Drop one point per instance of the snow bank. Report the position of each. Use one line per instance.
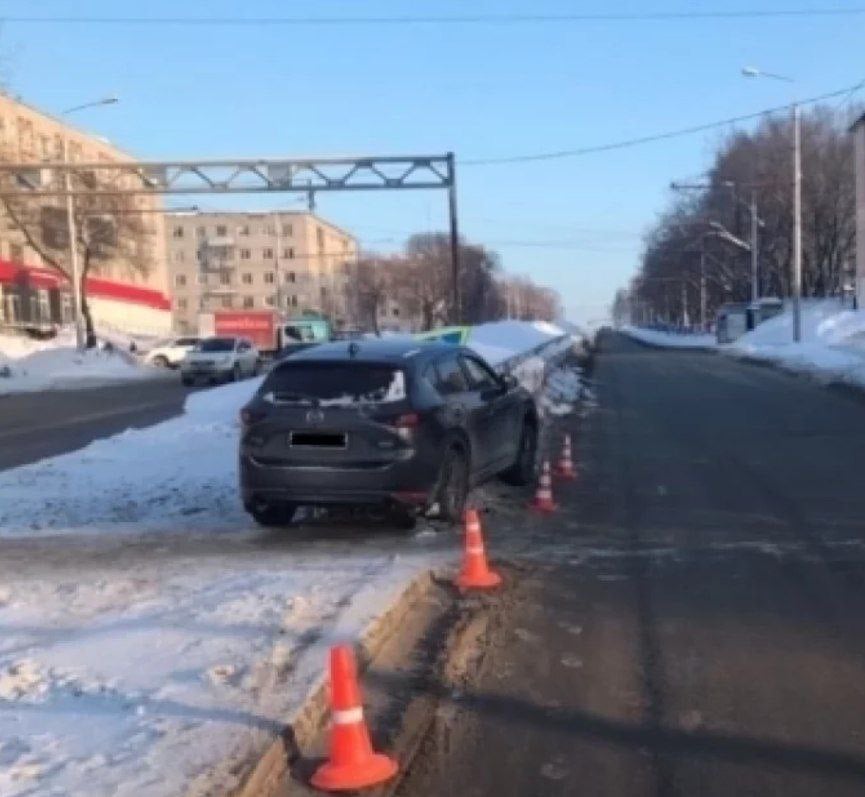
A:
(515, 337)
(177, 470)
(832, 345)
(140, 671)
(671, 340)
(28, 365)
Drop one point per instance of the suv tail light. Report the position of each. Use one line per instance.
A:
(250, 416)
(403, 424)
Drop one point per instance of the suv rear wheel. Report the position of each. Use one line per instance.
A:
(522, 471)
(452, 488)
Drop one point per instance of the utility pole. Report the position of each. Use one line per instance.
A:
(456, 312)
(72, 232)
(797, 224)
(755, 266)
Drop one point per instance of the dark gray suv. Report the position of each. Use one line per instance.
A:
(398, 423)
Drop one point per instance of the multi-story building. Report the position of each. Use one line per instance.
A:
(293, 261)
(127, 286)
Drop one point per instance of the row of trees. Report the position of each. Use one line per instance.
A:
(689, 261)
(419, 281)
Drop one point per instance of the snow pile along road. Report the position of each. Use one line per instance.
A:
(671, 340)
(28, 365)
(152, 670)
(832, 345)
(183, 470)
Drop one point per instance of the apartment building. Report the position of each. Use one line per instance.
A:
(127, 288)
(289, 260)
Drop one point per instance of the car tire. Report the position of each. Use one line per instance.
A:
(273, 515)
(160, 362)
(235, 373)
(452, 485)
(522, 472)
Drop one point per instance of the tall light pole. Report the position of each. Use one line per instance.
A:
(71, 228)
(754, 72)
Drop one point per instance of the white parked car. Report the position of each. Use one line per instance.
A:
(171, 353)
(220, 359)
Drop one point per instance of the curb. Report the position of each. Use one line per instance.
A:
(301, 728)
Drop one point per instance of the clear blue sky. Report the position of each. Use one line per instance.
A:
(479, 90)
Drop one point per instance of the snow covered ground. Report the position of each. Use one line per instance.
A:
(150, 631)
(28, 365)
(832, 345)
(671, 340)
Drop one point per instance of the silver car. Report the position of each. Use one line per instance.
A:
(220, 359)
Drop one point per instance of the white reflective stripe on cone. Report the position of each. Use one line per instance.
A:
(347, 716)
(475, 549)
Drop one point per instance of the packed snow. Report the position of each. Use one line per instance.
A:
(671, 340)
(154, 638)
(28, 364)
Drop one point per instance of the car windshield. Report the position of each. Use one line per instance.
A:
(333, 384)
(216, 345)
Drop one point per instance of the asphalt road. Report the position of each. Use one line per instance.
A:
(694, 619)
(38, 425)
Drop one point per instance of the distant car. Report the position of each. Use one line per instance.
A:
(382, 422)
(171, 353)
(348, 334)
(220, 359)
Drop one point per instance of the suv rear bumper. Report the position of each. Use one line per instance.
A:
(408, 481)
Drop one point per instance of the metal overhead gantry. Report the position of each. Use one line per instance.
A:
(246, 176)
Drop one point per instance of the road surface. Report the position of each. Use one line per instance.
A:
(695, 622)
(38, 425)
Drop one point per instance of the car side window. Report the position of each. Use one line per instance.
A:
(480, 376)
(243, 346)
(451, 378)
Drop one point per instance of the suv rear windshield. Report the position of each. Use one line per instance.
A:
(217, 344)
(333, 384)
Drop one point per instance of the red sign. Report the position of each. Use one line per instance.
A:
(257, 325)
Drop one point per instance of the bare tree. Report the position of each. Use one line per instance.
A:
(109, 228)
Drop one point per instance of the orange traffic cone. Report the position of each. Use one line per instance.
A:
(543, 500)
(352, 764)
(565, 466)
(475, 573)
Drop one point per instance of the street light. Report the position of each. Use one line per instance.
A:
(754, 72)
(70, 220)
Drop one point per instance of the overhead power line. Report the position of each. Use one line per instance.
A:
(455, 19)
(648, 139)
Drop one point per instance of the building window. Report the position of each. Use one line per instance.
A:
(287, 230)
(293, 301)
(182, 304)
(268, 300)
(319, 237)
(44, 304)
(323, 291)
(267, 253)
(16, 252)
(221, 229)
(248, 301)
(245, 254)
(395, 312)
(226, 302)
(288, 253)
(228, 254)
(180, 280)
(225, 279)
(66, 308)
(290, 276)
(243, 229)
(246, 278)
(178, 257)
(269, 278)
(201, 231)
(178, 232)
(270, 228)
